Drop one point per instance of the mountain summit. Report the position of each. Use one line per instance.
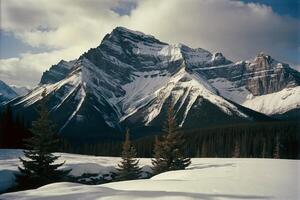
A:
(130, 78)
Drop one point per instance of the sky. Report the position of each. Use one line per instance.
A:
(35, 34)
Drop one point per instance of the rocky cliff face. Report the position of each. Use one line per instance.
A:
(57, 72)
(263, 75)
(266, 75)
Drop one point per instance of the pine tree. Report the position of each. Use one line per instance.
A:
(237, 150)
(276, 153)
(168, 152)
(264, 149)
(128, 169)
(159, 162)
(39, 167)
(204, 150)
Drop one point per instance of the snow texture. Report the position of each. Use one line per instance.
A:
(206, 178)
(275, 103)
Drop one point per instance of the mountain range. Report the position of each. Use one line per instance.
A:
(131, 77)
(8, 92)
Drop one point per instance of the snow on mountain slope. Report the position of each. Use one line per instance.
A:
(35, 95)
(206, 178)
(183, 84)
(6, 92)
(230, 90)
(278, 102)
(249, 82)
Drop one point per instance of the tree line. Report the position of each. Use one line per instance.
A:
(13, 129)
(254, 140)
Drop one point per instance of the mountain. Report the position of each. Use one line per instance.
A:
(263, 84)
(20, 90)
(6, 93)
(131, 77)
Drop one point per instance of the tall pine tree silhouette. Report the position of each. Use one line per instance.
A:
(128, 169)
(39, 167)
(168, 152)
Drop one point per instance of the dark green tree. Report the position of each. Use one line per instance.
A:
(39, 165)
(159, 162)
(264, 149)
(168, 152)
(237, 150)
(128, 169)
(276, 153)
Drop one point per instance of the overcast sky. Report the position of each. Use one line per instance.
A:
(36, 34)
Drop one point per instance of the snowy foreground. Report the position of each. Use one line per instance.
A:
(206, 178)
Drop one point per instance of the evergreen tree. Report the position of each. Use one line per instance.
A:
(276, 153)
(39, 167)
(128, 169)
(159, 162)
(12, 129)
(264, 149)
(168, 152)
(237, 150)
(204, 150)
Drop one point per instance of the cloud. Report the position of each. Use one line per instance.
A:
(237, 29)
(27, 69)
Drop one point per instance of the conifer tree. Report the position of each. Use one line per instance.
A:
(204, 150)
(39, 167)
(168, 152)
(159, 162)
(128, 169)
(264, 149)
(276, 153)
(237, 150)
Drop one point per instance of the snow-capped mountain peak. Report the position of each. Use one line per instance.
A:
(130, 78)
(6, 92)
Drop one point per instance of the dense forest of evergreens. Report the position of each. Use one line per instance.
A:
(13, 130)
(254, 140)
(251, 140)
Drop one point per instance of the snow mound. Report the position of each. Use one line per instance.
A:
(80, 164)
(206, 178)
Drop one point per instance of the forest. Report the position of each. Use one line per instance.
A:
(251, 140)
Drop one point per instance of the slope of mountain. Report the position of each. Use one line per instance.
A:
(6, 93)
(264, 84)
(130, 78)
(20, 90)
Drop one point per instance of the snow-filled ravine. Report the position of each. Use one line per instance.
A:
(206, 178)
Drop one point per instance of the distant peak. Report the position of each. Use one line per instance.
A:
(62, 62)
(218, 55)
(263, 55)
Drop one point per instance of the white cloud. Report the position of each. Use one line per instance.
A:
(237, 29)
(27, 69)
